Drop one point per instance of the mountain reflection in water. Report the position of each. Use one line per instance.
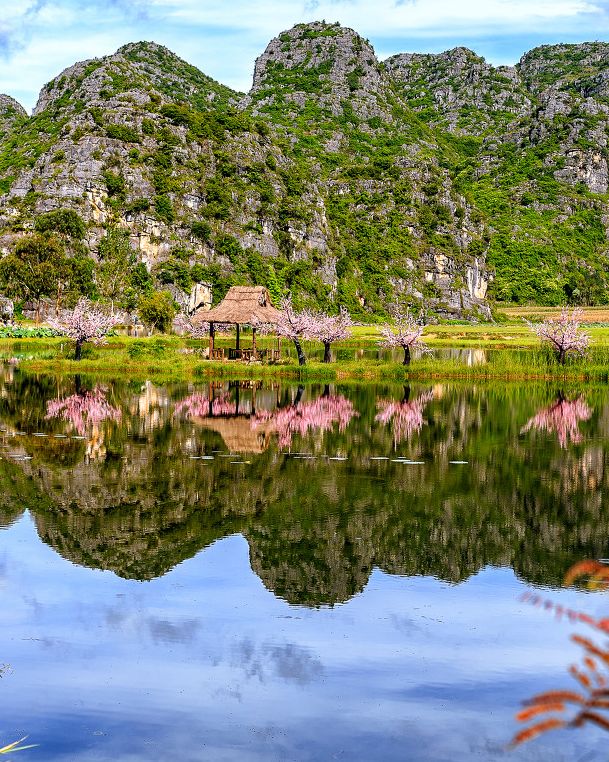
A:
(318, 480)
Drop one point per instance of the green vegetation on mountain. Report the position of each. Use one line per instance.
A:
(437, 180)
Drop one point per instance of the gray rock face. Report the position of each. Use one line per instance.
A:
(467, 94)
(330, 62)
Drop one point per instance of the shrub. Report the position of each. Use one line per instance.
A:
(157, 310)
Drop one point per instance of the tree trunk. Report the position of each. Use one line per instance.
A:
(302, 360)
(406, 356)
(406, 397)
(327, 357)
(299, 393)
(562, 353)
(78, 353)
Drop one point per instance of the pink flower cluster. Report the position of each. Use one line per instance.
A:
(563, 333)
(85, 323)
(405, 332)
(319, 415)
(198, 406)
(83, 409)
(561, 418)
(406, 417)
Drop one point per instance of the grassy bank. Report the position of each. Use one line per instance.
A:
(175, 359)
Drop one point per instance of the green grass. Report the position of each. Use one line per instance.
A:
(512, 354)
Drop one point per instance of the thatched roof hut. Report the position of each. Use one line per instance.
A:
(241, 305)
(238, 434)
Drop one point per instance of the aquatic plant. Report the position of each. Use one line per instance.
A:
(563, 334)
(15, 746)
(84, 323)
(590, 702)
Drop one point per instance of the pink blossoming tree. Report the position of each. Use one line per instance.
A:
(331, 328)
(296, 326)
(405, 333)
(85, 322)
(561, 418)
(196, 330)
(563, 334)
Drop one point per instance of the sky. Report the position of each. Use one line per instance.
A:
(40, 38)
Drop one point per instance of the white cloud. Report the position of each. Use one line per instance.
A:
(39, 38)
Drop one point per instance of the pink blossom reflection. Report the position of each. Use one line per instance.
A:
(561, 418)
(83, 410)
(406, 417)
(201, 406)
(300, 418)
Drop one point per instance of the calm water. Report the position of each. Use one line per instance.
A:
(285, 573)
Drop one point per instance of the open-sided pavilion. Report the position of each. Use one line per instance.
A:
(242, 305)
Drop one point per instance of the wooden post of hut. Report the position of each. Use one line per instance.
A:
(211, 341)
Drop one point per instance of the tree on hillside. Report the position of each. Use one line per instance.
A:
(85, 322)
(65, 222)
(405, 333)
(116, 262)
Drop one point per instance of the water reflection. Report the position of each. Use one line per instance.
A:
(337, 481)
(301, 418)
(405, 417)
(561, 418)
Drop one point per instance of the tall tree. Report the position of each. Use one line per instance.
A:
(563, 334)
(331, 328)
(116, 262)
(35, 269)
(405, 333)
(296, 326)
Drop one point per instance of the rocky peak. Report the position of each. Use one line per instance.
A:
(458, 89)
(328, 63)
(581, 69)
(138, 73)
(11, 113)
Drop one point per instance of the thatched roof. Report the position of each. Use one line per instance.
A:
(242, 304)
(238, 434)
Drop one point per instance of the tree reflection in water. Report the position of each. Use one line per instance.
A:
(201, 406)
(300, 418)
(406, 417)
(562, 418)
(83, 410)
(315, 531)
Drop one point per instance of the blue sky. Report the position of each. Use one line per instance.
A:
(39, 38)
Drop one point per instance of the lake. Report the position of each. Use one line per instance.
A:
(262, 571)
